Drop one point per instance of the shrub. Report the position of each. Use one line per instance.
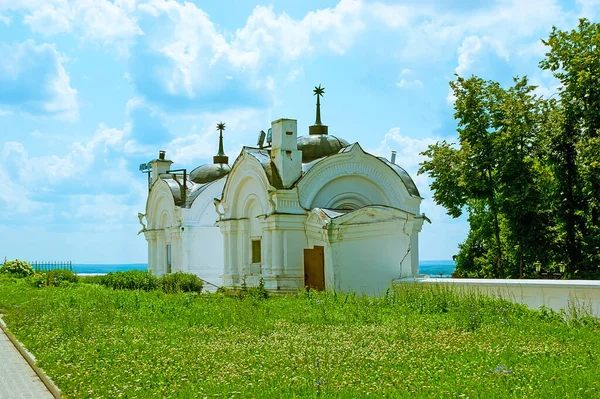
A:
(58, 277)
(54, 278)
(17, 268)
(131, 280)
(180, 282)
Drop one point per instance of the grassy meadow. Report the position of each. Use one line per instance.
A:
(96, 342)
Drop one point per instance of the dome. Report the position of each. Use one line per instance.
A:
(208, 173)
(316, 146)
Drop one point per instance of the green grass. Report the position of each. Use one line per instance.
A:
(418, 342)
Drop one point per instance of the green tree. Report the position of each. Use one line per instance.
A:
(518, 167)
(574, 59)
(494, 173)
(465, 176)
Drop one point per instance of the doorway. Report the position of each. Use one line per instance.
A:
(314, 268)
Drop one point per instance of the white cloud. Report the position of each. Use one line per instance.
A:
(102, 20)
(407, 80)
(589, 8)
(49, 19)
(407, 149)
(5, 20)
(192, 60)
(466, 52)
(105, 21)
(33, 80)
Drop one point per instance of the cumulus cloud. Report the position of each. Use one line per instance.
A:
(33, 80)
(187, 62)
(89, 174)
(407, 80)
(109, 22)
(407, 149)
(470, 49)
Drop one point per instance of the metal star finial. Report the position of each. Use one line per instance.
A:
(220, 157)
(319, 91)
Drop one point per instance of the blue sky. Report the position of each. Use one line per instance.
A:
(90, 89)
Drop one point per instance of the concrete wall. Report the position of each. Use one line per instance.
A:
(554, 294)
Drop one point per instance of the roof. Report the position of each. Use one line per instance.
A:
(185, 197)
(264, 157)
(316, 146)
(403, 174)
(408, 181)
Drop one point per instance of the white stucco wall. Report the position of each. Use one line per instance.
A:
(205, 253)
(366, 258)
(554, 294)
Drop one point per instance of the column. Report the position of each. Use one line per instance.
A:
(277, 261)
(233, 254)
(243, 240)
(266, 252)
(227, 254)
(151, 239)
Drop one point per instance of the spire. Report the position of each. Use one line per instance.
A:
(318, 127)
(221, 157)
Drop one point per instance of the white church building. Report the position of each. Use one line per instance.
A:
(297, 211)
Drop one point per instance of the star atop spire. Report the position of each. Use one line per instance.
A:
(221, 157)
(319, 91)
(318, 127)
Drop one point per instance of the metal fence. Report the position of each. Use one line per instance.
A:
(44, 265)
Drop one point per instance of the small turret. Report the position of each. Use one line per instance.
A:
(160, 165)
(285, 153)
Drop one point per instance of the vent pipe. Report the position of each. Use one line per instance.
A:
(393, 156)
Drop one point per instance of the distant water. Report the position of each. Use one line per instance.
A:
(434, 268)
(428, 267)
(107, 268)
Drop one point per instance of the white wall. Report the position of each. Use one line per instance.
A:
(554, 294)
(368, 263)
(206, 253)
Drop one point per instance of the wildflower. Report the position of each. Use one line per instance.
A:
(501, 370)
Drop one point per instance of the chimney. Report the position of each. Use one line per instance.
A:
(284, 152)
(160, 165)
(393, 156)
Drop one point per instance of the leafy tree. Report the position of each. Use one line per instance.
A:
(574, 59)
(466, 175)
(493, 174)
(518, 187)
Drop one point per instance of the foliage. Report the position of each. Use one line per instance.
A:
(54, 278)
(258, 293)
(525, 168)
(131, 280)
(91, 279)
(412, 342)
(17, 268)
(180, 282)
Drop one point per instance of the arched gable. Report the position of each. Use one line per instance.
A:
(246, 179)
(160, 207)
(353, 179)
